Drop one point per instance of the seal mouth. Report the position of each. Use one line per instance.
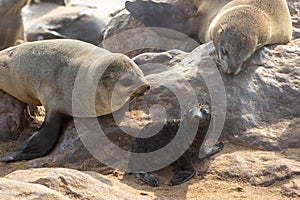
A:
(140, 91)
(226, 68)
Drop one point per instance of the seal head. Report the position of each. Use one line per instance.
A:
(234, 48)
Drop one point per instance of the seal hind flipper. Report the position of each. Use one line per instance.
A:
(50, 34)
(41, 142)
(163, 15)
(148, 178)
(182, 176)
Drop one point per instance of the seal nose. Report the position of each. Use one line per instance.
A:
(148, 87)
(141, 90)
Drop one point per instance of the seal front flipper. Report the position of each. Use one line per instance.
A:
(41, 142)
(148, 178)
(163, 15)
(215, 148)
(182, 176)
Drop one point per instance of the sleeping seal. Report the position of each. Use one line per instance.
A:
(237, 27)
(72, 22)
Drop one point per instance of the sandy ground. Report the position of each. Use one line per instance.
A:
(207, 184)
(204, 186)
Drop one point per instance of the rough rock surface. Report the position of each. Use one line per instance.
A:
(10, 189)
(137, 39)
(12, 113)
(259, 168)
(61, 183)
(292, 188)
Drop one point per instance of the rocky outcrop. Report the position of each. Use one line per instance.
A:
(258, 168)
(292, 188)
(59, 183)
(10, 189)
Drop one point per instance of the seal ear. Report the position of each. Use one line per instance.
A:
(258, 45)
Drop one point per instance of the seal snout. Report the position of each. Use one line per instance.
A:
(233, 71)
(140, 91)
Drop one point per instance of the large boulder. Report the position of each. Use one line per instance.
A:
(60, 183)
(12, 113)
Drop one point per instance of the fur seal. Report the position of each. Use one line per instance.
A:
(237, 27)
(72, 22)
(243, 26)
(44, 72)
(184, 167)
(11, 22)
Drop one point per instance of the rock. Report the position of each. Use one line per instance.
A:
(71, 184)
(294, 8)
(258, 168)
(265, 114)
(137, 39)
(292, 188)
(12, 190)
(12, 113)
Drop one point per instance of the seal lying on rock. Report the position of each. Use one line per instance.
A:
(184, 165)
(44, 73)
(237, 27)
(11, 22)
(72, 22)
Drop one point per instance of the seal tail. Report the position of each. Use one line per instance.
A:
(163, 15)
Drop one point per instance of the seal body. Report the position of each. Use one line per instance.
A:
(239, 27)
(72, 22)
(11, 22)
(45, 72)
(236, 27)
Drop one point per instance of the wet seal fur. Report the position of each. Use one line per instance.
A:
(44, 72)
(237, 27)
(11, 22)
(184, 165)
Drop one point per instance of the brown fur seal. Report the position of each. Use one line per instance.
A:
(11, 22)
(184, 167)
(44, 73)
(243, 26)
(237, 27)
